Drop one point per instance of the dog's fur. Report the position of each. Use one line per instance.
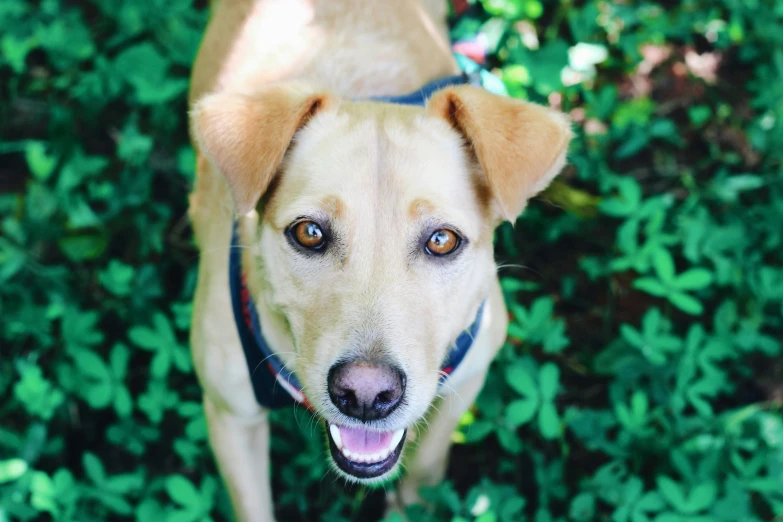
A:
(278, 137)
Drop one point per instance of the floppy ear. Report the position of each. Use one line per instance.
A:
(520, 146)
(245, 137)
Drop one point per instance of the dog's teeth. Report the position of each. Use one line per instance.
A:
(396, 438)
(366, 457)
(335, 431)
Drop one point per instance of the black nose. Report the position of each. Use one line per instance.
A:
(364, 390)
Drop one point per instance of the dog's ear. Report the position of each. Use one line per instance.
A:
(520, 146)
(245, 136)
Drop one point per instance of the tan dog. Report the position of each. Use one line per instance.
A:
(367, 228)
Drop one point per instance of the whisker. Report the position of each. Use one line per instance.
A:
(456, 393)
(501, 266)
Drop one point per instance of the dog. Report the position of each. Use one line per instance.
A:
(346, 236)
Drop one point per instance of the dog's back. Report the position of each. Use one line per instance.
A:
(351, 47)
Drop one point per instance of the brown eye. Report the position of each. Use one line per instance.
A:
(443, 242)
(309, 235)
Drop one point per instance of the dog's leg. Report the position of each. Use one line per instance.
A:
(428, 465)
(241, 446)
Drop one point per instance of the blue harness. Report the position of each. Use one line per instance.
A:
(273, 384)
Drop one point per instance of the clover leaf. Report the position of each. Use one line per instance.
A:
(538, 388)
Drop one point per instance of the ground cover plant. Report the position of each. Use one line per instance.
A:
(642, 379)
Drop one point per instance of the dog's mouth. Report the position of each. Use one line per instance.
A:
(363, 453)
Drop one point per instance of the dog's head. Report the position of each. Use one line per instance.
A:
(374, 246)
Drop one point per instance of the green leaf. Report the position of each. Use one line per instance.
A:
(83, 244)
(515, 331)
(80, 328)
(665, 129)
(639, 405)
(626, 203)
(555, 339)
(36, 394)
(694, 279)
(41, 164)
(117, 277)
(478, 431)
(743, 183)
(637, 141)
(546, 66)
(664, 265)
(41, 202)
(123, 403)
(549, 381)
(701, 498)
(91, 364)
(509, 9)
(670, 517)
(633, 336)
(651, 286)
(14, 50)
(144, 337)
(582, 507)
(518, 377)
(549, 421)
(12, 469)
(509, 440)
(651, 501)
(96, 376)
(699, 114)
(672, 492)
(43, 493)
(182, 491)
(521, 411)
(118, 360)
(686, 303)
(94, 468)
(486, 517)
(146, 69)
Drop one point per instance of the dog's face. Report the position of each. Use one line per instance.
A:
(375, 238)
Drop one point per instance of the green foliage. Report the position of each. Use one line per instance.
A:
(641, 380)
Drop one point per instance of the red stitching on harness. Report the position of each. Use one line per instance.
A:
(244, 294)
(459, 6)
(306, 402)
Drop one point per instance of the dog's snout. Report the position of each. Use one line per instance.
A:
(366, 391)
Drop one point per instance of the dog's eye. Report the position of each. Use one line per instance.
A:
(309, 235)
(443, 242)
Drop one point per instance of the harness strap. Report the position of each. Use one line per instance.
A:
(420, 97)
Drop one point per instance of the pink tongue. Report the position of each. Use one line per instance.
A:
(359, 440)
